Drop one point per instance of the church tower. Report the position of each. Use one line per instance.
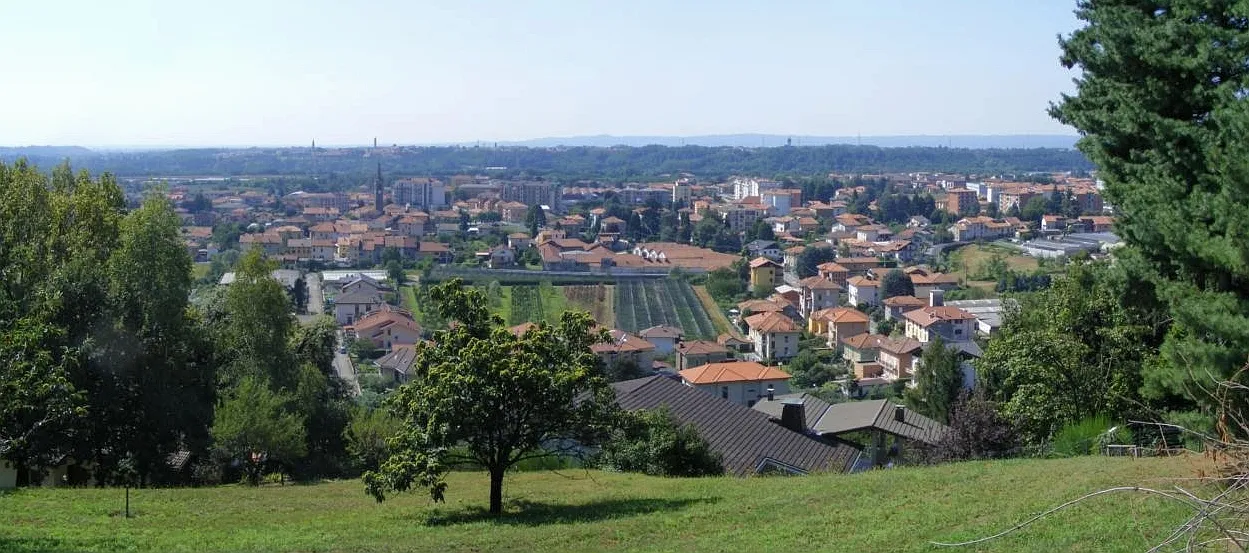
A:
(378, 190)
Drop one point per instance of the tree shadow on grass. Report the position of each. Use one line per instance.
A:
(528, 513)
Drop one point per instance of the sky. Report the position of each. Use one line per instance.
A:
(286, 72)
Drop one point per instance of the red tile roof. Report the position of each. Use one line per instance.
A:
(732, 371)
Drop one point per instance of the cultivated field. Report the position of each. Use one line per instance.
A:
(898, 510)
(672, 302)
(597, 299)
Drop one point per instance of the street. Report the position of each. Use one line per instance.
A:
(316, 298)
(347, 372)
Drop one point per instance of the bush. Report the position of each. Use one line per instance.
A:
(977, 431)
(1087, 436)
(652, 442)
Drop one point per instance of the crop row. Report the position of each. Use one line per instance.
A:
(641, 305)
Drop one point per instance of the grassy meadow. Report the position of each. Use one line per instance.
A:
(576, 510)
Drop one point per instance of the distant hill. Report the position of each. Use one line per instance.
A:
(45, 152)
(766, 140)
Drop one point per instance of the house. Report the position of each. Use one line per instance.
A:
(897, 305)
(858, 265)
(885, 429)
(775, 336)
(623, 347)
(765, 272)
(747, 440)
(764, 248)
(816, 294)
(861, 352)
(664, 338)
(439, 252)
(699, 352)
(519, 241)
(386, 327)
(351, 306)
(834, 272)
(741, 382)
(863, 290)
(500, 256)
(363, 283)
(988, 312)
(397, 365)
(733, 343)
(950, 323)
(838, 323)
(899, 357)
(1099, 223)
(924, 284)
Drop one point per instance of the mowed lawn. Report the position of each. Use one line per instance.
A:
(891, 510)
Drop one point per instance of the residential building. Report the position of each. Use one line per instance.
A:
(664, 338)
(899, 357)
(747, 441)
(775, 336)
(424, 193)
(532, 193)
(863, 290)
(950, 323)
(699, 352)
(926, 283)
(623, 347)
(741, 382)
(816, 294)
(765, 272)
(961, 202)
(861, 352)
(764, 248)
(897, 305)
(838, 323)
(397, 365)
(386, 327)
(350, 307)
(887, 430)
(834, 272)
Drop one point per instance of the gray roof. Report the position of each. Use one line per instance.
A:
(400, 359)
(831, 420)
(359, 297)
(987, 311)
(748, 440)
(285, 276)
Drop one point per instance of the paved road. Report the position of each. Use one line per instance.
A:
(316, 298)
(346, 371)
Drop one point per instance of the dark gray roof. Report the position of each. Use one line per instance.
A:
(399, 359)
(748, 440)
(831, 420)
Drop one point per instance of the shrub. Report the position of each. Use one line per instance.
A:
(652, 442)
(1087, 436)
(977, 431)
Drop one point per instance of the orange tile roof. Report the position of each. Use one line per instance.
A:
(700, 347)
(841, 315)
(762, 262)
(771, 322)
(862, 282)
(732, 371)
(864, 341)
(929, 315)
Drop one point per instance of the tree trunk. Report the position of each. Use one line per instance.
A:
(496, 491)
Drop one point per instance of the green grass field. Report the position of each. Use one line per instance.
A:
(891, 510)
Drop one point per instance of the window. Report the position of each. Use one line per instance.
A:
(724, 392)
(958, 331)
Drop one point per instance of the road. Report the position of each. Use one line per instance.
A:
(316, 298)
(346, 371)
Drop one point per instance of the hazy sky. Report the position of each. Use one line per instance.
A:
(226, 72)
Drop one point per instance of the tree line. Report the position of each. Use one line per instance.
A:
(621, 163)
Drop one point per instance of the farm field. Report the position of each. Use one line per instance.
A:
(641, 305)
(535, 303)
(597, 299)
(718, 318)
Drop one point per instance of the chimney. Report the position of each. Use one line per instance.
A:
(771, 392)
(793, 415)
(899, 413)
(936, 297)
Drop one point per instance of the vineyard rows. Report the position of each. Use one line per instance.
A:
(526, 305)
(641, 305)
